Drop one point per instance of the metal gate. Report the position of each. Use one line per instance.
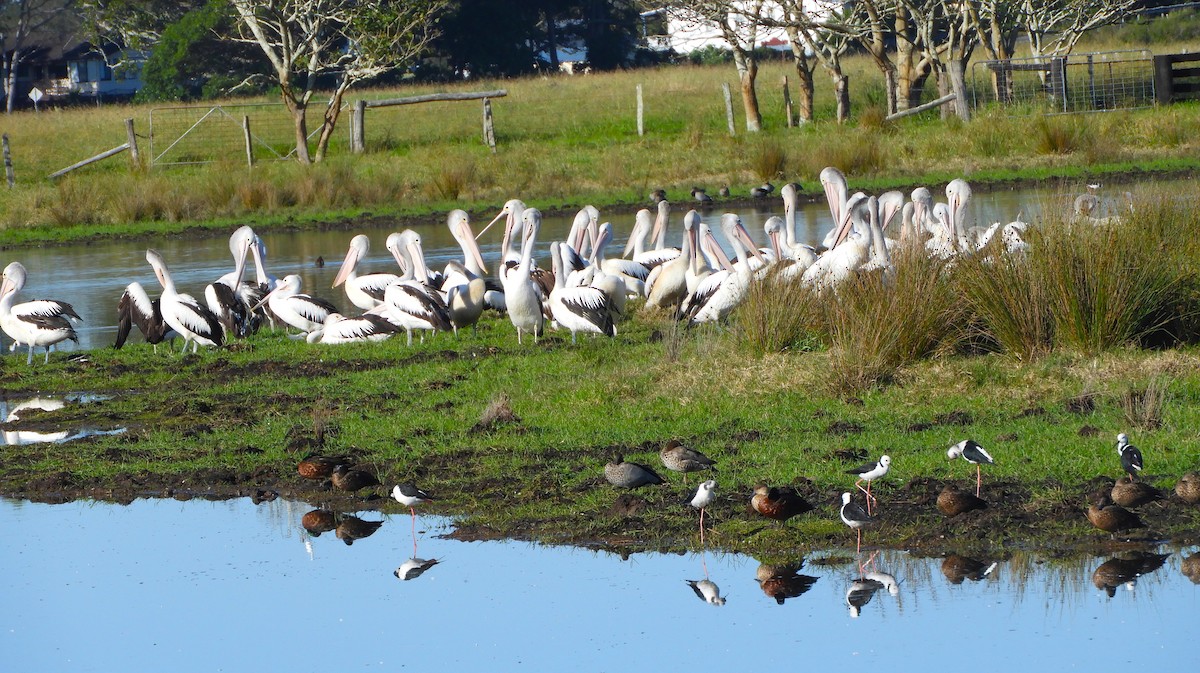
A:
(1113, 80)
(184, 135)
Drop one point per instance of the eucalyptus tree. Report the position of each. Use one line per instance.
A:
(21, 20)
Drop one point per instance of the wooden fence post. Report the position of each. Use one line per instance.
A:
(489, 130)
(358, 143)
(640, 112)
(1163, 79)
(728, 107)
(787, 104)
(134, 157)
(249, 141)
(8, 167)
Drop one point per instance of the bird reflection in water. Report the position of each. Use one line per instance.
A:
(863, 588)
(319, 521)
(413, 568)
(351, 528)
(783, 581)
(958, 568)
(707, 591)
(1126, 569)
(1191, 568)
(20, 437)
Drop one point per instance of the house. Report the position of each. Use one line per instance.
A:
(79, 71)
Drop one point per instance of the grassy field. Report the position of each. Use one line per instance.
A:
(562, 140)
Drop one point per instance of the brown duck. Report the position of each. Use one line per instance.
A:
(313, 466)
(1188, 488)
(780, 504)
(679, 458)
(1191, 568)
(1129, 493)
(952, 501)
(625, 474)
(1126, 568)
(782, 582)
(346, 479)
(1112, 518)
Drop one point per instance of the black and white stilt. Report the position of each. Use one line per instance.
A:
(1131, 457)
(702, 499)
(870, 472)
(973, 453)
(854, 516)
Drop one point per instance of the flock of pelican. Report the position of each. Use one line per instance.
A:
(582, 290)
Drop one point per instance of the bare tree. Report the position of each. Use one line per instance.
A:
(19, 20)
(739, 22)
(947, 34)
(818, 33)
(1055, 26)
(352, 41)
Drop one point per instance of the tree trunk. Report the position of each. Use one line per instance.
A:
(10, 80)
(841, 92)
(747, 69)
(804, 75)
(329, 121)
(298, 109)
(910, 75)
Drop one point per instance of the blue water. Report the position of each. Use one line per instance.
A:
(233, 586)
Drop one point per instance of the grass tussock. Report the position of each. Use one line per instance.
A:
(497, 412)
(768, 160)
(1008, 304)
(1145, 405)
(1060, 134)
(777, 317)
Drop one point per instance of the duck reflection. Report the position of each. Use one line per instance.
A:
(784, 581)
(1191, 568)
(958, 568)
(351, 528)
(319, 521)
(413, 568)
(707, 591)
(19, 437)
(1126, 569)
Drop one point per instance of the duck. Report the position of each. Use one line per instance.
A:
(952, 501)
(1110, 517)
(624, 474)
(314, 466)
(679, 458)
(1126, 569)
(780, 503)
(346, 479)
(958, 568)
(1188, 488)
(1129, 493)
(1191, 568)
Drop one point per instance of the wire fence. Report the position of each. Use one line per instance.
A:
(1094, 82)
(184, 135)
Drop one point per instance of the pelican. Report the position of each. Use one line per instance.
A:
(466, 301)
(578, 309)
(338, 329)
(222, 297)
(837, 193)
(667, 285)
(42, 322)
(852, 246)
(252, 292)
(958, 198)
(472, 265)
(304, 312)
(659, 254)
(520, 292)
(793, 249)
(513, 212)
(410, 302)
(136, 308)
(733, 288)
(365, 292)
(191, 320)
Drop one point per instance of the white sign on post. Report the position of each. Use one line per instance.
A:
(36, 95)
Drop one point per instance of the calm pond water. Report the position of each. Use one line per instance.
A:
(93, 276)
(216, 586)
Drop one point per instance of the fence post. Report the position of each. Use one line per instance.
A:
(640, 111)
(8, 167)
(787, 104)
(489, 129)
(133, 148)
(728, 107)
(1163, 85)
(358, 119)
(248, 140)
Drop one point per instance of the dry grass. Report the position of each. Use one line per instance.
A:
(1145, 405)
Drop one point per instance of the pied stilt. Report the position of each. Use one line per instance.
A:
(702, 499)
(1131, 457)
(854, 516)
(707, 591)
(972, 453)
(870, 472)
